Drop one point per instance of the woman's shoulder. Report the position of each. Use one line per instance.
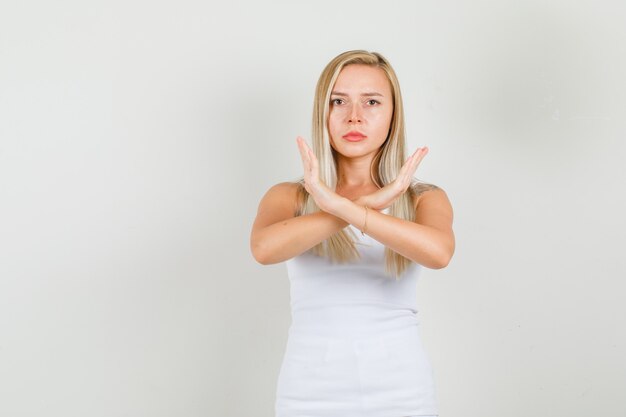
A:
(287, 188)
(420, 189)
(288, 193)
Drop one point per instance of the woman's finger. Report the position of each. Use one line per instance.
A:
(410, 164)
(421, 155)
(299, 141)
(312, 161)
(305, 148)
(417, 157)
(314, 164)
(303, 154)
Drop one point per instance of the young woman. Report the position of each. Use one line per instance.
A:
(355, 232)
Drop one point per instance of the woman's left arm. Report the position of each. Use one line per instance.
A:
(429, 241)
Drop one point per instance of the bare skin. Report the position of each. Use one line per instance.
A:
(278, 235)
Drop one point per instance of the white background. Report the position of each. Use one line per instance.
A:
(137, 138)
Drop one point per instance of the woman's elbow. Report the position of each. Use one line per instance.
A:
(443, 258)
(257, 253)
(442, 263)
(259, 259)
(261, 254)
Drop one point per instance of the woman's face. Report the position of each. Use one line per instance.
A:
(360, 103)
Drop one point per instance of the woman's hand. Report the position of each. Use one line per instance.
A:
(324, 197)
(384, 197)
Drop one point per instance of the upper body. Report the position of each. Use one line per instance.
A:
(356, 169)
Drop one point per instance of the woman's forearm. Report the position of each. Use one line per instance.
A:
(425, 245)
(288, 238)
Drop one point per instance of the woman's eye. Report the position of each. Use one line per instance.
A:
(335, 100)
(372, 102)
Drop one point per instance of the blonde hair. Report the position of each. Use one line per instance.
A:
(386, 165)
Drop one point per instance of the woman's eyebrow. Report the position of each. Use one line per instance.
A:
(339, 93)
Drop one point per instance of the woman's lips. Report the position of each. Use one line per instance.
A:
(354, 137)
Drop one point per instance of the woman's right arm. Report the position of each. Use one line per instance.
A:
(278, 234)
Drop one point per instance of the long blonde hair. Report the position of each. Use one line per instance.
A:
(386, 165)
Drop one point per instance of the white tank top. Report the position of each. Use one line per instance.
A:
(354, 348)
(354, 298)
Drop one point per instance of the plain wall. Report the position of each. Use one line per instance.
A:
(137, 138)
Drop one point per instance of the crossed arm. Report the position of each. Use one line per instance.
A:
(277, 235)
(429, 241)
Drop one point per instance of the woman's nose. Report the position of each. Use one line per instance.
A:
(355, 114)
